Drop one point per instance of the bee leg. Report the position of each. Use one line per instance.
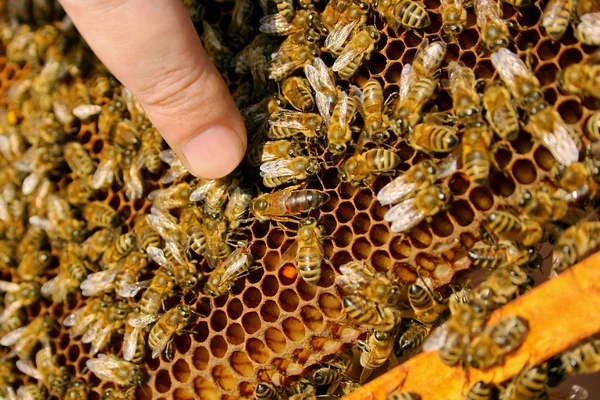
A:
(169, 351)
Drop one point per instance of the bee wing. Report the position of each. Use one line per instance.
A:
(27, 367)
(339, 34)
(52, 286)
(92, 331)
(407, 81)
(31, 183)
(202, 189)
(133, 289)
(275, 24)
(101, 338)
(348, 54)
(141, 321)
(421, 49)
(104, 174)
(559, 141)
(11, 395)
(134, 186)
(70, 319)
(276, 168)
(6, 286)
(158, 256)
(168, 156)
(103, 367)
(325, 75)
(312, 74)
(235, 269)
(40, 222)
(287, 119)
(160, 345)
(99, 282)
(130, 343)
(509, 65)
(343, 108)
(396, 190)
(436, 339)
(172, 246)
(324, 106)
(357, 95)
(10, 310)
(589, 27)
(404, 216)
(86, 111)
(162, 225)
(577, 392)
(13, 336)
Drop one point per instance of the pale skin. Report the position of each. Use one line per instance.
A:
(152, 47)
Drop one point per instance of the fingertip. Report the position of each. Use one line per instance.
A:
(214, 152)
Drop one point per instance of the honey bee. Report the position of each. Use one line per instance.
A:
(46, 371)
(236, 265)
(216, 49)
(465, 98)
(286, 123)
(489, 348)
(283, 204)
(494, 31)
(364, 167)
(426, 309)
(322, 81)
(454, 18)
(174, 259)
(431, 138)
(283, 63)
(302, 389)
(237, 208)
(150, 147)
(100, 214)
(403, 395)
(277, 24)
(557, 17)
(174, 196)
(573, 245)
(476, 156)
(410, 212)
(370, 104)
(107, 170)
(501, 115)
(109, 367)
(428, 58)
(296, 91)
(509, 226)
(580, 79)
(176, 170)
(331, 373)
(376, 350)
(502, 255)
(72, 271)
(118, 249)
(308, 250)
(80, 191)
(279, 172)
(413, 337)
(134, 339)
(267, 391)
(479, 391)
(25, 339)
(531, 383)
(119, 394)
(18, 295)
(7, 254)
(356, 51)
(351, 19)
(34, 240)
(166, 225)
(193, 228)
(407, 13)
(133, 183)
(145, 236)
(593, 127)
(34, 264)
(171, 323)
(77, 390)
(79, 160)
(110, 321)
(338, 131)
(160, 288)
(263, 152)
(31, 392)
(413, 94)
(583, 359)
(587, 29)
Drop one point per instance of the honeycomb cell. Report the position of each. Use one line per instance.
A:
(312, 318)
(524, 171)
(341, 258)
(381, 261)
(547, 73)
(441, 226)
(327, 276)
(345, 212)
(235, 334)
(218, 321)
(242, 364)
(269, 311)
(420, 237)
(394, 51)
(377, 63)
(458, 183)
(288, 300)
(400, 248)
(452, 53)
(394, 72)
(223, 376)
(570, 111)
(484, 69)
(462, 213)
(379, 234)
(328, 223)
(181, 371)
(271, 260)
(153, 363)
(182, 394)
(269, 286)
(528, 39)
(343, 236)
(201, 358)
(205, 389)
(334, 200)
(469, 59)
(481, 198)
(360, 223)
(568, 57)
(73, 353)
(162, 382)
(306, 291)
(330, 305)
(361, 249)
(252, 297)
(275, 238)
(246, 389)
(257, 351)
(235, 308)
(293, 329)
(378, 211)
(275, 340)
(287, 274)
(251, 322)
(258, 249)
(183, 343)
(218, 346)
(260, 230)
(501, 184)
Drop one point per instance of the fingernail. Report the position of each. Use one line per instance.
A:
(214, 152)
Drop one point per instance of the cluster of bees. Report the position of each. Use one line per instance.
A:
(305, 112)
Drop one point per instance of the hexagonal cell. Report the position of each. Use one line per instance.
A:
(218, 321)
(360, 223)
(252, 297)
(275, 238)
(218, 346)
(271, 260)
(361, 249)
(201, 331)
(544, 159)
(305, 290)
(162, 382)
(201, 358)
(377, 63)
(379, 234)
(381, 261)
(182, 394)
(459, 183)
(205, 389)
(223, 376)
(327, 279)
(501, 184)
(330, 305)
(400, 248)
(269, 311)
(257, 351)
(547, 73)
(235, 309)
(570, 111)
(251, 322)
(312, 318)
(287, 274)
(241, 364)
(293, 329)
(288, 300)
(246, 389)
(344, 212)
(343, 236)
(181, 370)
(269, 286)
(481, 198)
(420, 237)
(571, 56)
(524, 171)
(462, 213)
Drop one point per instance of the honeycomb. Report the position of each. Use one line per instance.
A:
(275, 326)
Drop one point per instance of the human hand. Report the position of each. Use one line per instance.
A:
(152, 47)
